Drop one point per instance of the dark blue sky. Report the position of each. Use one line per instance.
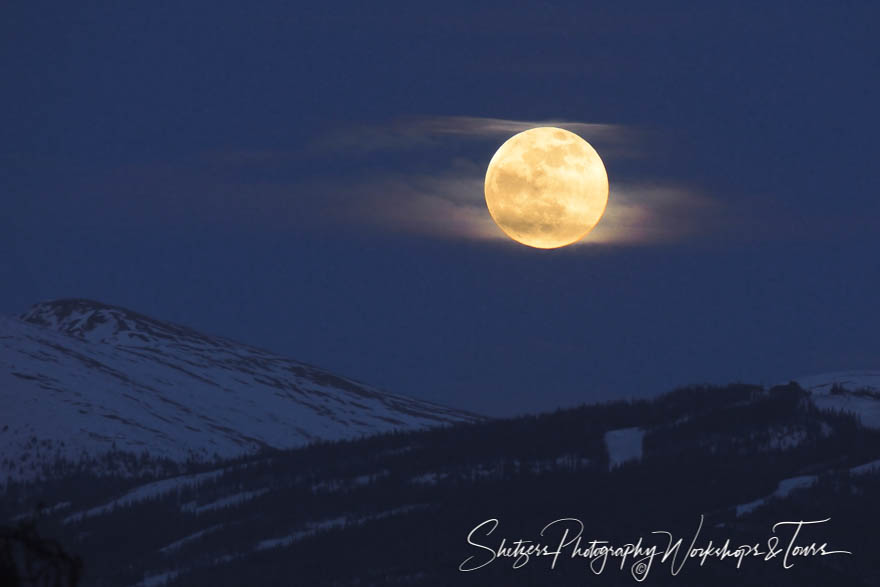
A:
(264, 172)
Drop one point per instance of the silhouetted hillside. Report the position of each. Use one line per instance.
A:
(397, 508)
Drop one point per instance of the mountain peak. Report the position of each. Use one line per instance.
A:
(95, 321)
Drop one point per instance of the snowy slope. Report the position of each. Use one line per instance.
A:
(857, 392)
(851, 380)
(79, 377)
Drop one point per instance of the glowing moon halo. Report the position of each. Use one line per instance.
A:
(546, 187)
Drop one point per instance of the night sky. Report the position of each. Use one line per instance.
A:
(308, 178)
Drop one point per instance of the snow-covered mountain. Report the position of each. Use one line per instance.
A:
(79, 377)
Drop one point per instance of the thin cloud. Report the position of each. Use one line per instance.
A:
(450, 202)
(447, 205)
(443, 202)
(451, 205)
(472, 126)
(653, 213)
(405, 133)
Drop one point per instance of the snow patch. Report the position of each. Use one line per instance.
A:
(158, 579)
(329, 524)
(176, 545)
(334, 485)
(144, 492)
(309, 530)
(872, 467)
(430, 478)
(224, 502)
(784, 440)
(624, 445)
(63, 505)
(783, 489)
(861, 395)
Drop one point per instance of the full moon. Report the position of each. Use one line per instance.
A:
(546, 187)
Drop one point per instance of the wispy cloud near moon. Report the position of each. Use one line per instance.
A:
(442, 197)
(452, 206)
(449, 202)
(642, 213)
(431, 130)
